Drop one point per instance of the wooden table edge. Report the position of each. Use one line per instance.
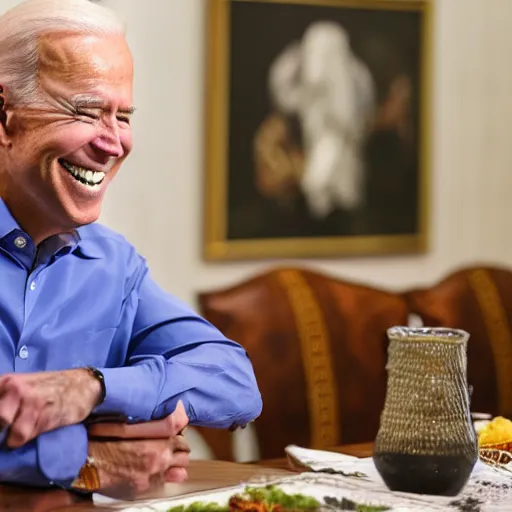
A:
(360, 450)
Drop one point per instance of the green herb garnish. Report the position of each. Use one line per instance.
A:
(269, 496)
(200, 506)
(346, 504)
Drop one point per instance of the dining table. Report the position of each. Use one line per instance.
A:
(204, 475)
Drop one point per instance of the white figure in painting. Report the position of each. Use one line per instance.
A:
(321, 82)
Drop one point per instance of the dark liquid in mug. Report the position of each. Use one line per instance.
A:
(441, 475)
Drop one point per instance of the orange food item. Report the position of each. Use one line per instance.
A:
(237, 503)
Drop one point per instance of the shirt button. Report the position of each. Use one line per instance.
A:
(23, 353)
(20, 242)
(32, 286)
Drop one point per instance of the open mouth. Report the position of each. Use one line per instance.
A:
(81, 174)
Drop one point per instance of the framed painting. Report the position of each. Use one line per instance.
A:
(316, 128)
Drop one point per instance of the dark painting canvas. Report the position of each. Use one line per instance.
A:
(324, 150)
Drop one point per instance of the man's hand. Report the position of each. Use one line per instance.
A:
(33, 403)
(141, 452)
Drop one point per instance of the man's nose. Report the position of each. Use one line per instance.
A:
(109, 142)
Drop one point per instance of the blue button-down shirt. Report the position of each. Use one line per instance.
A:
(87, 299)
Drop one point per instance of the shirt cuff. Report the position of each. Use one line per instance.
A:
(61, 453)
(130, 391)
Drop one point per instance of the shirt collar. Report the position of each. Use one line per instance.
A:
(81, 247)
(7, 222)
(87, 249)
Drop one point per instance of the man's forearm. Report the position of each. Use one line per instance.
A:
(62, 453)
(20, 466)
(174, 354)
(222, 394)
(54, 458)
(217, 389)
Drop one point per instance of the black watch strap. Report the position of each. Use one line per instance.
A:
(99, 376)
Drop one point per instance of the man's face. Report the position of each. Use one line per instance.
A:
(65, 151)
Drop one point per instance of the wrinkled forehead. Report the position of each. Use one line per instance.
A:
(74, 61)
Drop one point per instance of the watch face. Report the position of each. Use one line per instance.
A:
(88, 478)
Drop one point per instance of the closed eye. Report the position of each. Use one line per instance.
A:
(123, 118)
(87, 114)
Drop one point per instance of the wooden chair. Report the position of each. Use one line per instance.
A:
(478, 300)
(318, 346)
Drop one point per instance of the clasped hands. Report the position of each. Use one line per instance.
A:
(33, 403)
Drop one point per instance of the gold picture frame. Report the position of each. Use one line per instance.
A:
(232, 92)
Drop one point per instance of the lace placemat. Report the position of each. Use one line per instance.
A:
(488, 489)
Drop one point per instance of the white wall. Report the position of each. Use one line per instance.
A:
(156, 199)
(471, 161)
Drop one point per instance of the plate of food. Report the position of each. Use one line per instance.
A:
(495, 443)
(262, 498)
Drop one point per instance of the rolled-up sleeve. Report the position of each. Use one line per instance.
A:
(177, 355)
(220, 394)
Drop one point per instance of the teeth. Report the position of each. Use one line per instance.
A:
(85, 176)
(97, 177)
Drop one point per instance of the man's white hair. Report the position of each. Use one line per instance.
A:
(23, 25)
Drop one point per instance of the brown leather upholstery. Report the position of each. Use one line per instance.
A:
(478, 300)
(318, 346)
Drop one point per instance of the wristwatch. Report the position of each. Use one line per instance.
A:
(99, 376)
(88, 479)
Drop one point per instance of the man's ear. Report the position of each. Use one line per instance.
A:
(5, 140)
(4, 120)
